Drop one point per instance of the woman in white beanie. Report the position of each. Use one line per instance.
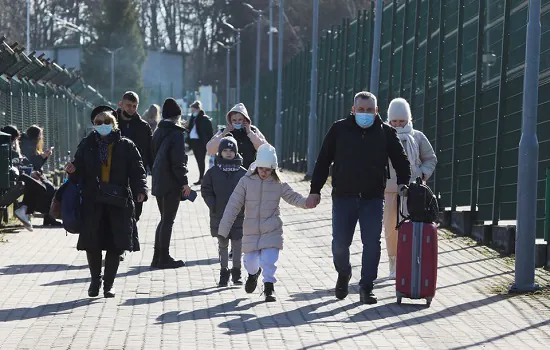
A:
(422, 159)
(260, 192)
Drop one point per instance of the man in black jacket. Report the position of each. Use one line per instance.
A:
(200, 132)
(136, 129)
(358, 147)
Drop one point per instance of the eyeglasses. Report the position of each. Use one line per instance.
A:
(101, 122)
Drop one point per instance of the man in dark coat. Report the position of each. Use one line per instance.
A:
(133, 127)
(200, 132)
(217, 186)
(107, 227)
(358, 147)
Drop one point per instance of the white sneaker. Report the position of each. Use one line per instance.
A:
(21, 214)
(392, 267)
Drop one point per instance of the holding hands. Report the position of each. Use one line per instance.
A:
(313, 201)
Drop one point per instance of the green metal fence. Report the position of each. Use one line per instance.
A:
(460, 64)
(34, 90)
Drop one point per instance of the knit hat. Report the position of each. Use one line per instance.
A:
(101, 109)
(238, 108)
(228, 142)
(266, 157)
(399, 109)
(170, 109)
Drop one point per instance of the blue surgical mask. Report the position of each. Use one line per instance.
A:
(195, 114)
(364, 120)
(103, 129)
(238, 126)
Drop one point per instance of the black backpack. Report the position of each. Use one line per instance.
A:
(421, 203)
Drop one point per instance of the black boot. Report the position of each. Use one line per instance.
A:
(51, 221)
(94, 263)
(341, 290)
(155, 261)
(236, 276)
(167, 262)
(224, 277)
(252, 282)
(269, 291)
(111, 267)
(366, 296)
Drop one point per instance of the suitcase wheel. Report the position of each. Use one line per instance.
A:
(428, 301)
(399, 300)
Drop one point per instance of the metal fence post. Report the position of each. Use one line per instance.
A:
(279, 105)
(528, 158)
(312, 121)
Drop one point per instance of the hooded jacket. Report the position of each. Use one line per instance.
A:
(262, 227)
(248, 143)
(169, 159)
(139, 131)
(216, 189)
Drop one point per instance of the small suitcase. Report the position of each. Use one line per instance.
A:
(416, 270)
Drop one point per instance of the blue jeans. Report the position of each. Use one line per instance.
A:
(346, 211)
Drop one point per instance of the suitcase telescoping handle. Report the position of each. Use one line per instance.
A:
(400, 213)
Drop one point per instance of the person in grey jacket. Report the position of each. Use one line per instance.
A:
(422, 159)
(217, 186)
(169, 180)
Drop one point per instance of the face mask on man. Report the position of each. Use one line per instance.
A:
(103, 129)
(364, 120)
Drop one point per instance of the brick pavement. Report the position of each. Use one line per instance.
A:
(44, 302)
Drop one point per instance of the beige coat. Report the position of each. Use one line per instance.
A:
(428, 161)
(262, 227)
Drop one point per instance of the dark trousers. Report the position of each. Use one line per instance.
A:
(111, 265)
(346, 211)
(199, 150)
(168, 207)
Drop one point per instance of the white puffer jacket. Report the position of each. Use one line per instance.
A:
(262, 227)
(428, 161)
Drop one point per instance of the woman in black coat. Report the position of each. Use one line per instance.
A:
(200, 132)
(169, 180)
(111, 172)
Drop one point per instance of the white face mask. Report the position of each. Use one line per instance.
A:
(103, 129)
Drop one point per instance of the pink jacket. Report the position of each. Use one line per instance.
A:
(262, 227)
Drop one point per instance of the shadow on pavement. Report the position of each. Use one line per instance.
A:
(132, 271)
(26, 313)
(39, 268)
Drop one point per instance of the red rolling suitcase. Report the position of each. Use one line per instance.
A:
(416, 270)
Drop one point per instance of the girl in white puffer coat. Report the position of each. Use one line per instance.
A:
(422, 159)
(260, 192)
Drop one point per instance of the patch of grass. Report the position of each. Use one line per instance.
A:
(503, 288)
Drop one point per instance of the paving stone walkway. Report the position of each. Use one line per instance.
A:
(44, 302)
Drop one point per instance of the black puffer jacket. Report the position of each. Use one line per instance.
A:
(360, 158)
(139, 131)
(126, 170)
(169, 159)
(217, 186)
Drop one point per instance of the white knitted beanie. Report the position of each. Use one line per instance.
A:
(266, 157)
(399, 109)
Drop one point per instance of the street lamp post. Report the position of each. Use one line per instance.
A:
(258, 44)
(238, 31)
(112, 53)
(312, 126)
(279, 105)
(28, 27)
(270, 59)
(228, 71)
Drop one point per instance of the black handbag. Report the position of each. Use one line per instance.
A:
(113, 195)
